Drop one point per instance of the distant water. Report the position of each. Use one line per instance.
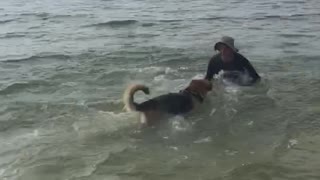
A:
(64, 66)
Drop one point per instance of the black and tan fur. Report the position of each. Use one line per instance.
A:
(158, 107)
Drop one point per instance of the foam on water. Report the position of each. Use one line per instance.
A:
(178, 123)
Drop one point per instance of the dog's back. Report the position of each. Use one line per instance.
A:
(172, 103)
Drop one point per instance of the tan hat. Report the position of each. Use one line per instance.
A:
(228, 41)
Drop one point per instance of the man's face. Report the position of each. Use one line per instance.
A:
(227, 53)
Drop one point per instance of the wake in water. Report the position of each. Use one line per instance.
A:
(114, 24)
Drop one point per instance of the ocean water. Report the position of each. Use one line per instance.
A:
(65, 64)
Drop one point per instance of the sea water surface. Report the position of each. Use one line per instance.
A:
(64, 65)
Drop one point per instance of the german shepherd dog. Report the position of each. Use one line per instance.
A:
(183, 102)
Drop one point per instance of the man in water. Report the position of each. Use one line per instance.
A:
(234, 65)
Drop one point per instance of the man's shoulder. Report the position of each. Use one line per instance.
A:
(241, 57)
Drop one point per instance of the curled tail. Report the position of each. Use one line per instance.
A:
(128, 96)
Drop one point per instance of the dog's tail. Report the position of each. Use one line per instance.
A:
(128, 96)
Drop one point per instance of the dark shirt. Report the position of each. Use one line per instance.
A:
(240, 64)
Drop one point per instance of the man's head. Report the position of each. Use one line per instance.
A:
(226, 48)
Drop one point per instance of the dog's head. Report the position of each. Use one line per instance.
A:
(200, 86)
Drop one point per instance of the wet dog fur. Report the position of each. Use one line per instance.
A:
(157, 108)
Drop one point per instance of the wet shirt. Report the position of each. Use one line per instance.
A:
(239, 64)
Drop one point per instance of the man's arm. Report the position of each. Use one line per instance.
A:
(213, 68)
(252, 72)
